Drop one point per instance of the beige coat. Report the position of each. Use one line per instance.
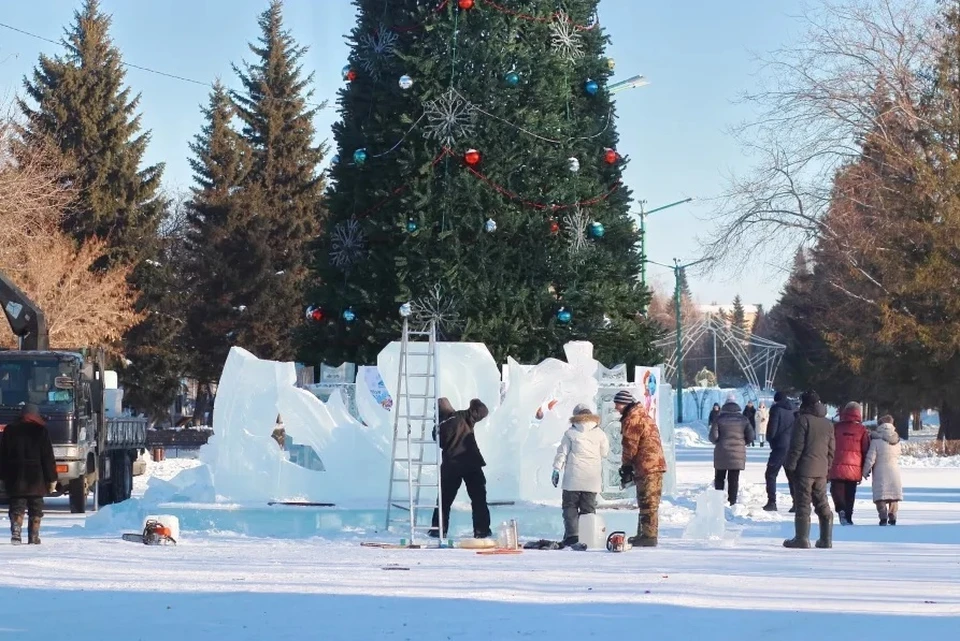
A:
(883, 464)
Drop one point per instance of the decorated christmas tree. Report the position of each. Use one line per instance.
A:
(478, 177)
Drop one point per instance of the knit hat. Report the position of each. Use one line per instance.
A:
(886, 419)
(853, 411)
(29, 411)
(623, 397)
(778, 397)
(731, 398)
(809, 398)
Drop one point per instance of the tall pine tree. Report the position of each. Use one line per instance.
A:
(221, 274)
(478, 178)
(738, 317)
(81, 106)
(283, 187)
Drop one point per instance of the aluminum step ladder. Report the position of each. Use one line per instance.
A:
(415, 461)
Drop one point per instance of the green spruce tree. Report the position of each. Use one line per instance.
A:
(481, 183)
(738, 317)
(78, 102)
(221, 275)
(283, 187)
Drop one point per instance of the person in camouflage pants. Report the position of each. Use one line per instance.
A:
(643, 460)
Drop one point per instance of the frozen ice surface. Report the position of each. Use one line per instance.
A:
(709, 522)
(247, 465)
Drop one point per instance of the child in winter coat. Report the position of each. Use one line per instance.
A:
(883, 461)
(580, 458)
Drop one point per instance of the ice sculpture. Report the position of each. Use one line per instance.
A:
(709, 521)
(519, 452)
(246, 464)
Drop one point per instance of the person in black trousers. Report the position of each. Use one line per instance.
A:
(751, 413)
(730, 434)
(28, 470)
(779, 433)
(461, 464)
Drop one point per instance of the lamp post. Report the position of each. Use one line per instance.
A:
(643, 234)
(677, 295)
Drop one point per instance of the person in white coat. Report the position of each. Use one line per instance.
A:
(883, 463)
(763, 417)
(580, 458)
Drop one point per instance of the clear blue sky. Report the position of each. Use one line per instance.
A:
(697, 54)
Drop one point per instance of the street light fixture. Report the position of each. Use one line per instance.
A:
(643, 234)
(677, 295)
(629, 83)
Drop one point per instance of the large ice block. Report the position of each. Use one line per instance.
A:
(247, 465)
(709, 521)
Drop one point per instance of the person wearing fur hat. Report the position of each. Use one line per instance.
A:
(580, 458)
(883, 463)
(28, 470)
(809, 459)
(643, 461)
(852, 443)
(462, 464)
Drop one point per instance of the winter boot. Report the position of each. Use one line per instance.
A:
(793, 509)
(771, 506)
(892, 519)
(569, 541)
(16, 528)
(643, 541)
(843, 517)
(33, 530)
(802, 538)
(826, 533)
(482, 534)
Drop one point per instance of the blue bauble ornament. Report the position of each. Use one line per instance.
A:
(335, 159)
(564, 315)
(348, 315)
(412, 225)
(406, 82)
(512, 78)
(591, 87)
(406, 309)
(597, 230)
(490, 226)
(360, 156)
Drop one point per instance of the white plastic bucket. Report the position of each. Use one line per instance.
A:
(593, 531)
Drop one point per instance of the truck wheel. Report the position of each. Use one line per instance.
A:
(122, 481)
(78, 496)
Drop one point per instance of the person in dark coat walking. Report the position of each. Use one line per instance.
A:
(779, 431)
(853, 441)
(28, 470)
(810, 458)
(751, 413)
(730, 434)
(461, 463)
(714, 413)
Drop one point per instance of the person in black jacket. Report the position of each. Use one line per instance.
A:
(714, 413)
(751, 413)
(779, 431)
(730, 433)
(462, 463)
(28, 470)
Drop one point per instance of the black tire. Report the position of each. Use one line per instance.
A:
(78, 496)
(122, 481)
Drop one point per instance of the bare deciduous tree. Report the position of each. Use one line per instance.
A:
(84, 306)
(855, 69)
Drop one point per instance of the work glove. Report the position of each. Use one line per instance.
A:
(626, 474)
(555, 478)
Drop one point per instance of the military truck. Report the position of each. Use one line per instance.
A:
(70, 387)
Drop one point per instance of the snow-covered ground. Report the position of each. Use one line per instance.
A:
(877, 582)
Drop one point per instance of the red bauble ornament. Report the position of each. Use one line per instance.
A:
(466, 4)
(351, 75)
(315, 314)
(471, 157)
(610, 156)
(554, 227)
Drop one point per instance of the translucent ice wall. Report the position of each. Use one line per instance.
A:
(247, 465)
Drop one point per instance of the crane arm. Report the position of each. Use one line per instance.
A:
(25, 317)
